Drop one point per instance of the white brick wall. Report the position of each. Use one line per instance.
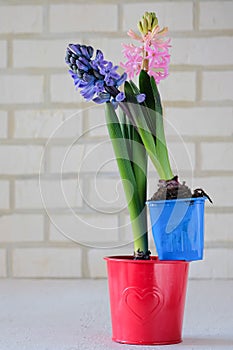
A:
(20, 159)
(21, 89)
(47, 262)
(185, 90)
(21, 228)
(62, 89)
(43, 124)
(40, 53)
(95, 230)
(3, 272)
(218, 187)
(222, 156)
(83, 18)
(179, 15)
(55, 194)
(216, 15)
(205, 121)
(3, 124)
(3, 50)
(217, 86)
(40, 110)
(217, 264)
(106, 193)
(199, 50)
(21, 19)
(95, 122)
(5, 194)
(217, 227)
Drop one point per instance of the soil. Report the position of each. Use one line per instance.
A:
(173, 189)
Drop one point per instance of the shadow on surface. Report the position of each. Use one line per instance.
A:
(208, 341)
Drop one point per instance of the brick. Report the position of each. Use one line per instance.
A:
(96, 124)
(47, 262)
(45, 123)
(39, 53)
(11, 90)
(216, 15)
(97, 265)
(3, 263)
(66, 159)
(106, 193)
(205, 121)
(217, 86)
(3, 56)
(91, 229)
(30, 19)
(126, 228)
(218, 227)
(217, 156)
(218, 188)
(85, 18)
(182, 156)
(5, 194)
(98, 157)
(55, 193)
(20, 159)
(180, 86)
(217, 264)
(152, 180)
(3, 124)
(202, 51)
(170, 14)
(21, 228)
(112, 48)
(62, 89)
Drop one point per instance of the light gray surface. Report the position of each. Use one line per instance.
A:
(74, 315)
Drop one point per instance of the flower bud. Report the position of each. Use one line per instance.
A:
(148, 22)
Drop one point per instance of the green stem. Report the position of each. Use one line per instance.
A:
(140, 235)
(130, 179)
(161, 148)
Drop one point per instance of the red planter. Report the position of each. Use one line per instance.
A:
(147, 300)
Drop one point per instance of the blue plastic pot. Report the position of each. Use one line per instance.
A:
(178, 228)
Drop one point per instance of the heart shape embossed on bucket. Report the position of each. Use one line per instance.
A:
(143, 303)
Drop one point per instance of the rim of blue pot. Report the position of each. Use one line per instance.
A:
(168, 201)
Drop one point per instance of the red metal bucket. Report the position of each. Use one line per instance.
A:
(147, 300)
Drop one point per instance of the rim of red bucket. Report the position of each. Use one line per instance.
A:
(196, 199)
(153, 259)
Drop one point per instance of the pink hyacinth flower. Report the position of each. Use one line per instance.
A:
(154, 50)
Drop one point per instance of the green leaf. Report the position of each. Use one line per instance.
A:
(137, 154)
(145, 88)
(129, 93)
(157, 99)
(127, 129)
(140, 160)
(135, 200)
(134, 87)
(142, 116)
(161, 145)
(122, 158)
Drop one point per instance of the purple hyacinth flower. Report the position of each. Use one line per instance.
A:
(120, 97)
(141, 98)
(96, 77)
(102, 97)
